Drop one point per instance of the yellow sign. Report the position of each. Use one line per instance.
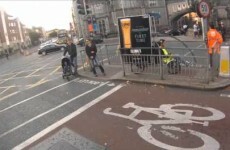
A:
(126, 32)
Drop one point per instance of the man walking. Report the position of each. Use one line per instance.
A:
(72, 51)
(91, 51)
(214, 41)
(195, 30)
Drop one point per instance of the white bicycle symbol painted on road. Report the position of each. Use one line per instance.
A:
(172, 116)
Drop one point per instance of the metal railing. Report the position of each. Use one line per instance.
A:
(183, 64)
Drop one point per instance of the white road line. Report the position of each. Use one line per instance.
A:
(67, 118)
(3, 87)
(21, 77)
(193, 50)
(27, 71)
(225, 95)
(10, 78)
(23, 101)
(7, 74)
(51, 110)
(5, 90)
(12, 94)
(37, 70)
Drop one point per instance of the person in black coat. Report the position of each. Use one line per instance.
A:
(72, 51)
(222, 30)
(91, 52)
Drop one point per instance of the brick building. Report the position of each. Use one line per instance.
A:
(104, 14)
(12, 32)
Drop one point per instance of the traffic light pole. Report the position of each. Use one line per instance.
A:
(85, 16)
(85, 7)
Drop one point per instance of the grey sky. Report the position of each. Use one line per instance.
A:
(49, 14)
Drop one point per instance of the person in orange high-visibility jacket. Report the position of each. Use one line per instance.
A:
(214, 41)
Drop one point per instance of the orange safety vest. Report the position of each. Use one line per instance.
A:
(214, 41)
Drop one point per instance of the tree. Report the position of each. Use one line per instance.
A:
(53, 34)
(34, 37)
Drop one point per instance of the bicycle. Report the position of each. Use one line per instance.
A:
(173, 117)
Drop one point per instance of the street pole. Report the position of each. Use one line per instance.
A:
(154, 23)
(204, 22)
(84, 19)
(122, 6)
(85, 7)
(143, 7)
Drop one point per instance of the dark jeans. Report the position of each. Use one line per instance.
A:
(214, 64)
(95, 63)
(73, 61)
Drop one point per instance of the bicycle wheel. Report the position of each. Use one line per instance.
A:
(209, 143)
(215, 114)
(173, 67)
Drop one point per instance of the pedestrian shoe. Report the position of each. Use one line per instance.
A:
(95, 75)
(76, 74)
(104, 74)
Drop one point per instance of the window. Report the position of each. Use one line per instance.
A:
(153, 3)
(184, 5)
(98, 8)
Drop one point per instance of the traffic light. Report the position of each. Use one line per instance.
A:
(81, 8)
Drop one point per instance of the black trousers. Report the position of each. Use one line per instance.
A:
(95, 63)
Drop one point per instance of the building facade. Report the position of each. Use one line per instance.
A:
(104, 14)
(12, 32)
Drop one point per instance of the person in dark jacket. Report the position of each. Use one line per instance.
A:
(222, 30)
(72, 51)
(91, 52)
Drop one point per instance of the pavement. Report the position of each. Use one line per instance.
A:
(65, 138)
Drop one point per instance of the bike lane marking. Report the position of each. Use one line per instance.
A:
(108, 129)
(66, 119)
(174, 117)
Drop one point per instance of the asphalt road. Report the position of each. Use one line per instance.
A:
(152, 117)
(148, 117)
(33, 95)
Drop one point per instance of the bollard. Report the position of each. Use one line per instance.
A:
(224, 62)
